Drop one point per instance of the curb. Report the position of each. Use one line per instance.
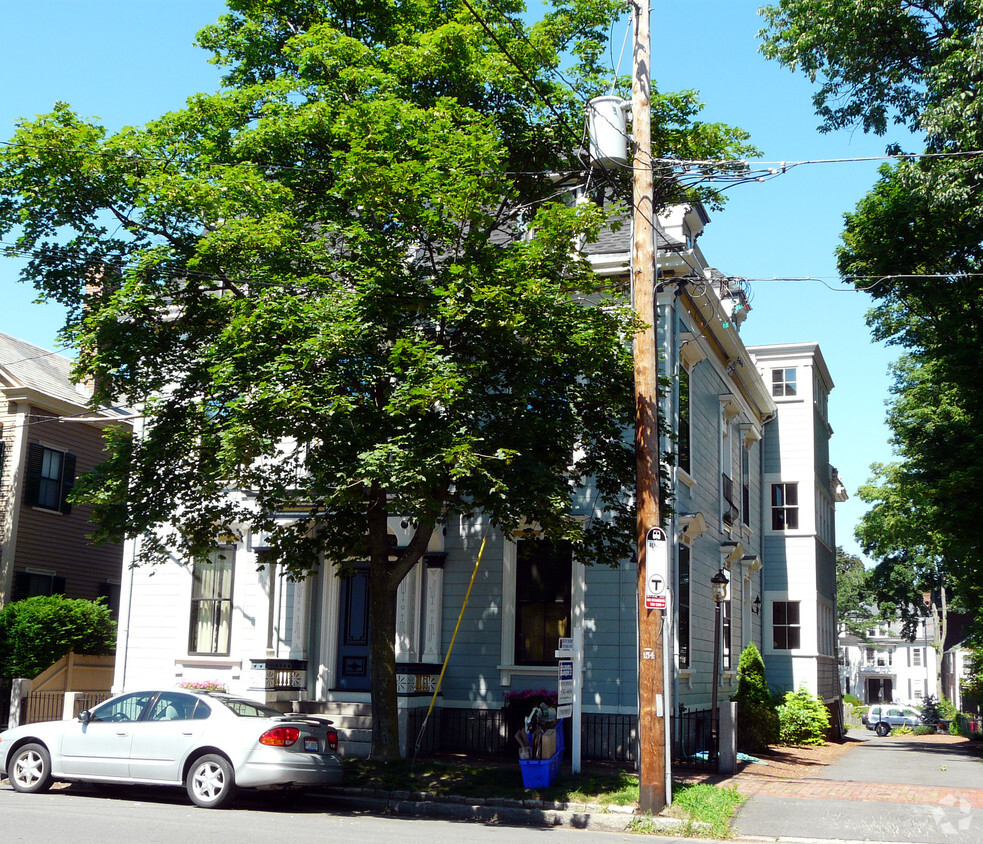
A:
(512, 812)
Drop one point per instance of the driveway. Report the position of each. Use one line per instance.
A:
(892, 789)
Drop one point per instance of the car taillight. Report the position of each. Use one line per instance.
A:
(280, 736)
(332, 740)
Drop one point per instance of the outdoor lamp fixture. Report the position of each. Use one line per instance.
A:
(756, 606)
(718, 584)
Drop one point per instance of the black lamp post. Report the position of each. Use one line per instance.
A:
(719, 585)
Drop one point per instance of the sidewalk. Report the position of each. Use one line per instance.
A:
(801, 795)
(924, 790)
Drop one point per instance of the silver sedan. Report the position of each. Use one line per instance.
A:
(212, 744)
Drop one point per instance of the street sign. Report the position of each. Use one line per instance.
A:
(656, 563)
(564, 691)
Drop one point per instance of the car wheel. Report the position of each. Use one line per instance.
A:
(30, 769)
(883, 728)
(211, 782)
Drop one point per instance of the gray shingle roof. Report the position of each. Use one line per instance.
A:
(26, 365)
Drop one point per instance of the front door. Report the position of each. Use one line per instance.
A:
(879, 690)
(353, 635)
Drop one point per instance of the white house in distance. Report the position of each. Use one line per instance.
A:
(886, 668)
(740, 436)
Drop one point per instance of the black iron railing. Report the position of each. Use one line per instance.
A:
(693, 741)
(491, 732)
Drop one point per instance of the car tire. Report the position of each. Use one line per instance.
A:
(29, 770)
(882, 729)
(211, 782)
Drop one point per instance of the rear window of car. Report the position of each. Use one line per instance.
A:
(248, 708)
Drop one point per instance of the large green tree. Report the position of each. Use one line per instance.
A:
(855, 606)
(346, 285)
(915, 244)
(908, 536)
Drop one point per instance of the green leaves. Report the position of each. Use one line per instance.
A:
(915, 243)
(36, 632)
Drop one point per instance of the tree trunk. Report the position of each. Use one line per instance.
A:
(940, 623)
(382, 662)
(386, 572)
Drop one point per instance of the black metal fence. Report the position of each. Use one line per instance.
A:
(4, 702)
(612, 738)
(49, 706)
(693, 741)
(491, 732)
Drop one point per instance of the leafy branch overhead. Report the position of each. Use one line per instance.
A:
(346, 286)
(914, 243)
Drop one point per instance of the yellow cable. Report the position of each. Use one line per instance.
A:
(450, 647)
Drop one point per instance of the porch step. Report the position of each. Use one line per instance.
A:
(353, 721)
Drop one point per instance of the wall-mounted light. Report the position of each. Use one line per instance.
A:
(756, 606)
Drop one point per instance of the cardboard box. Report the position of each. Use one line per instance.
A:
(548, 744)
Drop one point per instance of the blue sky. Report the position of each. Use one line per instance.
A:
(127, 62)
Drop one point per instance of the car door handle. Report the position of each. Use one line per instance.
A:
(122, 733)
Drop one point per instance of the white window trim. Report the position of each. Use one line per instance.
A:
(507, 668)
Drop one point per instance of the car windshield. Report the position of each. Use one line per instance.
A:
(248, 708)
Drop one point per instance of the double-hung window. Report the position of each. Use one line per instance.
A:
(211, 604)
(785, 506)
(786, 625)
(542, 599)
(683, 427)
(49, 478)
(683, 607)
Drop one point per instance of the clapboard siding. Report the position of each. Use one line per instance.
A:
(53, 541)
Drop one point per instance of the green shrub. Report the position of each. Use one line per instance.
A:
(931, 710)
(852, 700)
(36, 632)
(803, 719)
(757, 719)
(758, 726)
(947, 709)
(924, 730)
(752, 685)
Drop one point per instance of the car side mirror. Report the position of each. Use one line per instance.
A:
(85, 716)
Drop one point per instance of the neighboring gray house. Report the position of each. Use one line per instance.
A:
(48, 435)
(234, 620)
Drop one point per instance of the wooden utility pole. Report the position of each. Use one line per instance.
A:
(651, 697)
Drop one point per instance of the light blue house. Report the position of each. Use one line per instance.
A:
(743, 453)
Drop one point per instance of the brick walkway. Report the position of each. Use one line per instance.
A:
(819, 789)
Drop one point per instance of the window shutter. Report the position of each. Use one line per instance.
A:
(67, 482)
(22, 586)
(32, 488)
(908, 651)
